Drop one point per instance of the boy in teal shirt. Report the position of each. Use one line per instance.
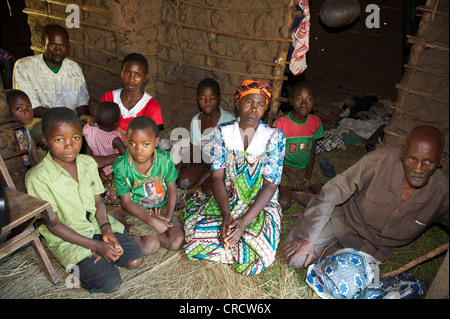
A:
(83, 236)
(145, 181)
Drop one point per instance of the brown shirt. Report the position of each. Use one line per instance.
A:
(365, 207)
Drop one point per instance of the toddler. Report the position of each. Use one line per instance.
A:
(104, 139)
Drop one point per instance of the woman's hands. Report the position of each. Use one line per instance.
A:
(232, 231)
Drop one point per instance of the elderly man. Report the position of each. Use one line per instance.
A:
(50, 79)
(384, 201)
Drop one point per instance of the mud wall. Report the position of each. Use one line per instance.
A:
(184, 42)
(188, 40)
(423, 92)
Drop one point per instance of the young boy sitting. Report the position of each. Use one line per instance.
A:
(82, 236)
(302, 130)
(146, 185)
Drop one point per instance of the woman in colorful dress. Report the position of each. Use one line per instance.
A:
(241, 223)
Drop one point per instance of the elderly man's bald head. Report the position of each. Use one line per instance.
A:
(426, 133)
(422, 154)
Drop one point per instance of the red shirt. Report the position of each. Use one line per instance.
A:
(147, 105)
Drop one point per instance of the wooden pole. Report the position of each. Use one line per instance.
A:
(417, 261)
(231, 35)
(278, 73)
(62, 18)
(89, 9)
(218, 56)
(243, 9)
(211, 69)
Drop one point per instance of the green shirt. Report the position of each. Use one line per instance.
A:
(54, 70)
(73, 201)
(299, 138)
(148, 189)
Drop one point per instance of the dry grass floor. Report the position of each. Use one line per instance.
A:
(169, 275)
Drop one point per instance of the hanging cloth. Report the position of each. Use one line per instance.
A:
(300, 39)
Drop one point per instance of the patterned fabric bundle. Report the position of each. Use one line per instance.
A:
(250, 86)
(329, 142)
(353, 274)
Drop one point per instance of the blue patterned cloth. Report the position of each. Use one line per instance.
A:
(353, 274)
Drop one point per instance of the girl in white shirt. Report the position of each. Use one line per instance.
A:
(196, 173)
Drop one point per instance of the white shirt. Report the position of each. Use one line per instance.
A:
(204, 140)
(66, 88)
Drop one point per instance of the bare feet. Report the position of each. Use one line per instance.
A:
(296, 214)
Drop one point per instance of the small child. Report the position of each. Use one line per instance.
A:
(145, 182)
(21, 109)
(82, 236)
(302, 130)
(104, 139)
(197, 173)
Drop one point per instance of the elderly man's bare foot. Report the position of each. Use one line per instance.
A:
(296, 214)
(301, 197)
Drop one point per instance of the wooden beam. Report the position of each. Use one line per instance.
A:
(63, 18)
(226, 34)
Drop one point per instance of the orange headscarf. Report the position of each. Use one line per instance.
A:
(257, 87)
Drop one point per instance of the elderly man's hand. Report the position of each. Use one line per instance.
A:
(296, 247)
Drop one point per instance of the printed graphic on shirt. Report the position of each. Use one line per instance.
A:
(154, 194)
(299, 148)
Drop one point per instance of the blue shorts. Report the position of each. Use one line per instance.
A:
(104, 276)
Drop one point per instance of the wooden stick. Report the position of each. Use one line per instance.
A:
(422, 42)
(419, 93)
(429, 10)
(90, 9)
(97, 49)
(229, 9)
(16, 154)
(281, 63)
(231, 35)
(417, 261)
(62, 18)
(260, 76)
(394, 134)
(443, 73)
(218, 56)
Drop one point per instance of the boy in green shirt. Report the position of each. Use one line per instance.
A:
(146, 185)
(302, 130)
(83, 236)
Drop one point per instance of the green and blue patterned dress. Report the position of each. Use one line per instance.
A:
(244, 175)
